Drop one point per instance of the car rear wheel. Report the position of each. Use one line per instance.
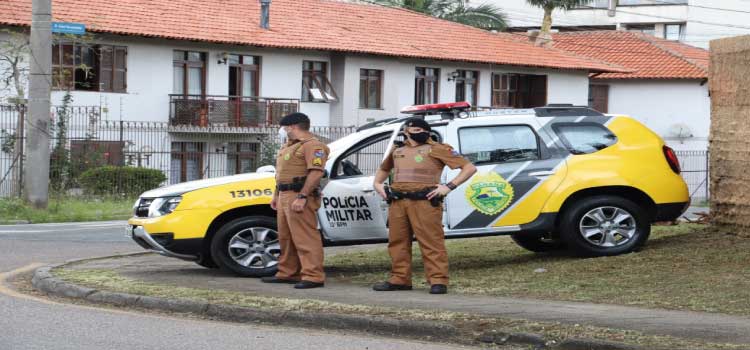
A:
(247, 246)
(604, 226)
(539, 244)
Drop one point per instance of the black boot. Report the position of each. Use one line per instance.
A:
(438, 289)
(308, 284)
(388, 286)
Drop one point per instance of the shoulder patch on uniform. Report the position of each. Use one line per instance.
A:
(319, 152)
(318, 155)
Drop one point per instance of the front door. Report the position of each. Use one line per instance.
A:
(351, 209)
(516, 174)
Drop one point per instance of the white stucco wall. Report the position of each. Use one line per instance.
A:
(150, 75)
(398, 85)
(664, 106)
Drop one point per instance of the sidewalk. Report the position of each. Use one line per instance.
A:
(706, 326)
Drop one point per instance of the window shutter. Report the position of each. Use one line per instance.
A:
(119, 81)
(105, 68)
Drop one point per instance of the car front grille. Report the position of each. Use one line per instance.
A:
(141, 210)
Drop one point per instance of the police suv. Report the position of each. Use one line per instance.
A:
(555, 177)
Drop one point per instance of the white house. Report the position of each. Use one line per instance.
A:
(667, 88)
(693, 22)
(202, 65)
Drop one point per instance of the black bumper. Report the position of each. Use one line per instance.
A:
(670, 211)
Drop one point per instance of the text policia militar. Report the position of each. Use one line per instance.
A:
(342, 210)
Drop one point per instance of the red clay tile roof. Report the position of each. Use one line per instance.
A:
(330, 25)
(649, 57)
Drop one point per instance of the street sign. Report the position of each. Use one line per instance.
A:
(69, 28)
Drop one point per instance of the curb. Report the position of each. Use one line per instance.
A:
(44, 281)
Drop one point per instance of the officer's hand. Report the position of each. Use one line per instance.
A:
(273, 202)
(299, 204)
(380, 189)
(441, 190)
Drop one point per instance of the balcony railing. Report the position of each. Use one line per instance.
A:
(233, 111)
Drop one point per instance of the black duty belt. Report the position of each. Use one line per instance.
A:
(417, 195)
(296, 184)
(296, 187)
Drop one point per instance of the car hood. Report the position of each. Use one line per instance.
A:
(182, 188)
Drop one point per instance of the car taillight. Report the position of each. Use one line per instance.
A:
(674, 163)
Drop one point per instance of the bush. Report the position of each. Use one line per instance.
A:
(126, 181)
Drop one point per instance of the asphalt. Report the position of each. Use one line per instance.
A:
(696, 325)
(33, 323)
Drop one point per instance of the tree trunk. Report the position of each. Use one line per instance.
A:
(545, 37)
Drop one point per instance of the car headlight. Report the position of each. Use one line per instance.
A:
(163, 206)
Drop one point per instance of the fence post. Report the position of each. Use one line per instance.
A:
(20, 137)
(708, 175)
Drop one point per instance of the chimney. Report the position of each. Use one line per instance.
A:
(265, 6)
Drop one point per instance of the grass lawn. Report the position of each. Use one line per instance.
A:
(684, 267)
(469, 325)
(66, 210)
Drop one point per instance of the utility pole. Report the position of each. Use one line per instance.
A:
(36, 179)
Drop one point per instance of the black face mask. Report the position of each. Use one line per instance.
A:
(420, 137)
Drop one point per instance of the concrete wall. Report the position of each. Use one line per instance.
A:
(697, 30)
(666, 107)
(730, 131)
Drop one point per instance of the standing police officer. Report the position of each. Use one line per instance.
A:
(299, 167)
(416, 208)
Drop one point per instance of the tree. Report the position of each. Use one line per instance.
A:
(14, 70)
(544, 37)
(484, 16)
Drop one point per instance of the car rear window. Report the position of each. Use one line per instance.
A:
(583, 138)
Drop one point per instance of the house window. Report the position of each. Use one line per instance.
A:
(315, 84)
(599, 97)
(241, 158)
(189, 73)
(426, 85)
(466, 86)
(244, 75)
(187, 161)
(519, 90)
(649, 29)
(673, 31)
(89, 67)
(370, 84)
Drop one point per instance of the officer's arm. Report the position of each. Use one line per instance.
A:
(467, 170)
(312, 181)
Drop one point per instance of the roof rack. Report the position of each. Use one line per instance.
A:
(462, 110)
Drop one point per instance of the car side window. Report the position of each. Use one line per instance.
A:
(583, 138)
(499, 144)
(363, 158)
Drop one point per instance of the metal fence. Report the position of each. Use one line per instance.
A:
(695, 171)
(81, 140)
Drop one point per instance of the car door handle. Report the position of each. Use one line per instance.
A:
(367, 190)
(542, 173)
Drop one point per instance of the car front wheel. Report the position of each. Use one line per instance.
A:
(604, 226)
(247, 246)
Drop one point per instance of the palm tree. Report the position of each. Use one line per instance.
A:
(545, 38)
(484, 16)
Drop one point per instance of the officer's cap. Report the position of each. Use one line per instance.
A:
(294, 118)
(418, 123)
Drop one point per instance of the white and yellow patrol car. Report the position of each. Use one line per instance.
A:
(555, 177)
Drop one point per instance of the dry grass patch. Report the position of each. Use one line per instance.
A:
(684, 267)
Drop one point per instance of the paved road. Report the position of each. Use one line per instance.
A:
(31, 323)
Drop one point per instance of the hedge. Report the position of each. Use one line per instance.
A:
(113, 180)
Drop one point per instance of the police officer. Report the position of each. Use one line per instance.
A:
(299, 167)
(415, 205)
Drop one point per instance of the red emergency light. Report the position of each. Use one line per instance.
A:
(436, 107)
